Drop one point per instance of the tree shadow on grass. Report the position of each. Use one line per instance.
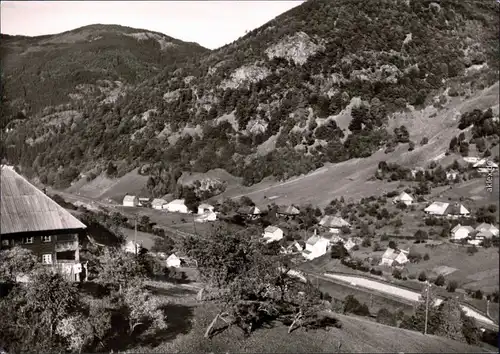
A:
(173, 291)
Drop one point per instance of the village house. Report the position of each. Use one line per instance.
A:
(130, 201)
(287, 211)
(416, 170)
(206, 217)
(32, 220)
(487, 230)
(471, 159)
(333, 223)
(451, 175)
(205, 208)
(158, 203)
(131, 247)
(446, 209)
(251, 212)
(460, 232)
(176, 206)
(272, 234)
(316, 246)
(351, 242)
(485, 166)
(403, 198)
(144, 201)
(173, 261)
(292, 248)
(392, 257)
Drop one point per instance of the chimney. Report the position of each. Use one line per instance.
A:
(314, 232)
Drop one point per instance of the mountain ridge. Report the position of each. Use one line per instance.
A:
(317, 84)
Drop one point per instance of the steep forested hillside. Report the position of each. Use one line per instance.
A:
(273, 103)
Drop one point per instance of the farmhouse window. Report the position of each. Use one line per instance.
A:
(5, 242)
(46, 238)
(28, 240)
(47, 258)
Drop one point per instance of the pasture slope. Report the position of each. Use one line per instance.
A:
(357, 335)
(350, 179)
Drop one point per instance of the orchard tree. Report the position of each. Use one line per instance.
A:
(15, 262)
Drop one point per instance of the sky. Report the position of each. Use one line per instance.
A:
(211, 24)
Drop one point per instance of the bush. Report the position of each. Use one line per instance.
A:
(422, 276)
(471, 250)
(426, 257)
(412, 276)
(366, 242)
(478, 294)
(424, 141)
(393, 244)
(439, 280)
(376, 247)
(376, 271)
(384, 316)
(396, 273)
(352, 305)
(452, 286)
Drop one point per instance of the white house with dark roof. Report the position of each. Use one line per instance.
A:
(272, 234)
(206, 217)
(130, 201)
(460, 232)
(403, 198)
(205, 208)
(316, 246)
(451, 175)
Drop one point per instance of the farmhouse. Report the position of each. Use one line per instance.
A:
(403, 198)
(30, 219)
(392, 257)
(333, 223)
(351, 242)
(249, 211)
(451, 175)
(316, 246)
(173, 261)
(287, 211)
(272, 233)
(130, 201)
(485, 166)
(158, 203)
(446, 209)
(176, 206)
(206, 217)
(460, 232)
(131, 247)
(204, 208)
(471, 159)
(488, 229)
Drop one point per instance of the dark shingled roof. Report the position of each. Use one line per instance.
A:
(25, 208)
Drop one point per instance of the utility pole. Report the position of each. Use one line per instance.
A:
(135, 235)
(426, 306)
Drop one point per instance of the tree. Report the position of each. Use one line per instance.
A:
(111, 170)
(416, 321)
(140, 307)
(421, 236)
(352, 305)
(426, 257)
(163, 244)
(393, 244)
(384, 316)
(31, 315)
(16, 261)
(450, 320)
(117, 268)
(396, 273)
(422, 276)
(440, 281)
(338, 251)
(452, 286)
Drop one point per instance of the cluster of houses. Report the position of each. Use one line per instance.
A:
(205, 213)
(473, 236)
